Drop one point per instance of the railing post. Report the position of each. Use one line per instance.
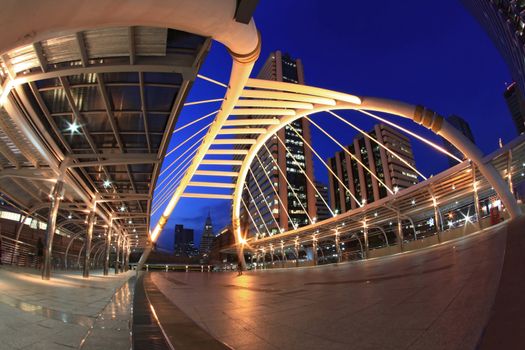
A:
(56, 197)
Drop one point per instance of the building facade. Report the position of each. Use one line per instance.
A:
(387, 167)
(516, 104)
(323, 212)
(295, 192)
(504, 23)
(463, 126)
(207, 236)
(183, 241)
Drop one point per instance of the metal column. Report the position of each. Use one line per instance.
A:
(365, 234)
(123, 256)
(400, 231)
(337, 248)
(314, 248)
(89, 237)
(108, 248)
(476, 196)
(56, 197)
(117, 254)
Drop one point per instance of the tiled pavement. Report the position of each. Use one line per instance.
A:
(437, 298)
(65, 312)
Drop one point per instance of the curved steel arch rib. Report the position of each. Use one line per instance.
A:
(418, 114)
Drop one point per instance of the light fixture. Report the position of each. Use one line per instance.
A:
(107, 183)
(396, 189)
(413, 202)
(453, 187)
(122, 208)
(130, 222)
(73, 127)
(134, 230)
(70, 216)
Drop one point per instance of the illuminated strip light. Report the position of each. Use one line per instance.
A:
(378, 143)
(265, 201)
(202, 102)
(351, 155)
(251, 217)
(196, 143)
(327, 167)
(288, 183)
(428, 142)
(257, 209)
(187, 140)
(195, 121)
(212, 80)
(305, 175)
(274, 190)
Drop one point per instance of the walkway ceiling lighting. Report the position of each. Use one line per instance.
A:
(130, 222)
(122, 208)
(453, 187)
(413, 202)
(70, 216)
(73, 127)
(106, 183)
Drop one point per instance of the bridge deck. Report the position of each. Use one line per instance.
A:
(63, 312)
(430, 299)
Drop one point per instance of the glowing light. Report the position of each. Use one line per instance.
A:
(134, 230)
(122, 208)
(413, 202)
(396, 189)
(130, 222)
(106, 183)
(73, 127)
(70, 216)
(453, 187)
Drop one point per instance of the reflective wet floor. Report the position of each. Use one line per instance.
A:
(437, 298)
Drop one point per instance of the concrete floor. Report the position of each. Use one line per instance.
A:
(65, 312)
(438, 298)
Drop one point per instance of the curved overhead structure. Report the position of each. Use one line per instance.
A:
(90, 101)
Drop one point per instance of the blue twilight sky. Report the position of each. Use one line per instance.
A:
(429, 53)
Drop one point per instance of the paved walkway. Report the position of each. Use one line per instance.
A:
(64, 313)
(437, 298)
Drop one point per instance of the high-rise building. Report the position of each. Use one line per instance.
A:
(323, 212)
(505, 24)
(183, 240)
(387, 167)
(516, 103)
(463, 126)
(295, 192)
(207, 236)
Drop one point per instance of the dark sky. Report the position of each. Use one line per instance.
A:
(429, 53)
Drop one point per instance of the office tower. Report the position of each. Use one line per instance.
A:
(516, 103)
(207, 236)
(387, 167)
(300, 201)
(463, 127)
(504, 23)
(183, 240)
(321, 201)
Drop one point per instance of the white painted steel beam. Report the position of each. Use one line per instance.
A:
(207, 196)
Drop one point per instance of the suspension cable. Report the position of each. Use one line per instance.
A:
(289, 185)
(169, 177)
(265, 201)
(202, 101)
(195, 121)
(305, 175)
(378, 143)
(181, 155)
(211, 80)
(169, 190)
(187, 140)
(352, 156)
(275, 191)
(327, 167)
(169, 185)
(428, 142)
(251, 218)
(257, 209)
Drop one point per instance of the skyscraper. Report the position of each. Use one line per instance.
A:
(386, 167)
(505, 25)
(516, 103)
(295, 192)
(321, 201)
(462, 125)
(207, 236)
(183, 240)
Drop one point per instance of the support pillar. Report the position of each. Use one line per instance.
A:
(476, 196)
(314, 248)
(337, 248)
(271, 253)
(56, 197)
(365, 235)
(399, 232)
(282, 254)
(123, 256)
(108, 247)
(436, 219)
(296, 248)
(89, 237)
(117, 252)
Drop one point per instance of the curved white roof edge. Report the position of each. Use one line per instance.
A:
(26, 22)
